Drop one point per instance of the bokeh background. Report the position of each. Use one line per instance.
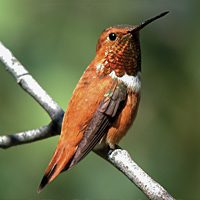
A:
(56, 40)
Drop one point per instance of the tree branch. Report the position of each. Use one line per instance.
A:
(25, 137)
(121, 159)
(26, 81)
(118, 158)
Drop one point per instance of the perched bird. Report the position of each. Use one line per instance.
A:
(105, 101)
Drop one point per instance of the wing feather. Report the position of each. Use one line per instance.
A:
(86, 121)
(103, 118)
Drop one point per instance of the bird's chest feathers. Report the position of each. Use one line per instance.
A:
(132, 82)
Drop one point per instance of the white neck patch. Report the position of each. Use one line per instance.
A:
(132, 82)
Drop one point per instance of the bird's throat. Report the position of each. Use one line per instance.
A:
(132, 82)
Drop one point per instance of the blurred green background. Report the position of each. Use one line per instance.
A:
(56, 40)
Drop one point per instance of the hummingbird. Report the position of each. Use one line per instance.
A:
(105, 101)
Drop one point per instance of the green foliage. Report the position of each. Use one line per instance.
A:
(56, 40)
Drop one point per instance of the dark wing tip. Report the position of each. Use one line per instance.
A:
(46, 179)
(43, 183)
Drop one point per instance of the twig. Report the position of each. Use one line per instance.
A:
(121, 159)
(26, 81)
(118, 157)
(43, 132)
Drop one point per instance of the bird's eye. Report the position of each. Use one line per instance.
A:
(112, 36)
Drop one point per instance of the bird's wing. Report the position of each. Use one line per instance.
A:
(104, 116)
(93, 107)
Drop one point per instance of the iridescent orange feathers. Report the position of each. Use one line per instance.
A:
(105, 101)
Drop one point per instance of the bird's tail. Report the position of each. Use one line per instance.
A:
(58, 163)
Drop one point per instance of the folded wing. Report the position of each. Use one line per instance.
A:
(80, 135)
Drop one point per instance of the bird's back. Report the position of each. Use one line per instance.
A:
(86, 97)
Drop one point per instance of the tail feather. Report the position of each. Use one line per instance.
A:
(60, 159)
(45, 180)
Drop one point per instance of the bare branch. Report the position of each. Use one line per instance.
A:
(118, 158)
(26, 81)
(43, 132)
(121, 159)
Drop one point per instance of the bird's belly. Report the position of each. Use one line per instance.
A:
(124, 120)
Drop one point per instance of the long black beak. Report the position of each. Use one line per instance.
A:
(148, 21)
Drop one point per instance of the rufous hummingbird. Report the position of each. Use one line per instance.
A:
(105, 101)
